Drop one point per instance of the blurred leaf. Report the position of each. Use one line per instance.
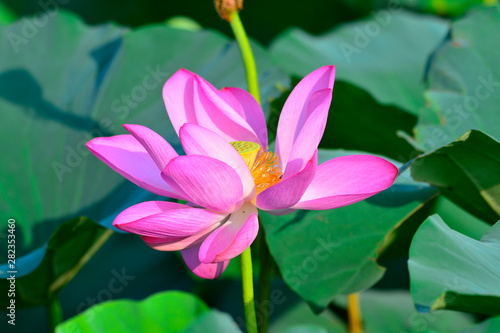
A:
(184, 23)
(171, 311)
(213, 322)
(491, 325)
(306, 329)
(464, 82)
(452, 271)
(70, 247)
(68, 83)
(466, 171)
(359, 50)
(443, 7)
(338, 248)
(7, 16)
(300, 316)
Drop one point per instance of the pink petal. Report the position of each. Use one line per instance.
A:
(311, 133)
(179, 243)
(172, 222)
(144, 209)
(197, 140)
(247, 107)
(287, 192)
(206, 271)
(297, 109)
(220, 116)
(125, 155)
(242, 241)
(178, 98)
(160, 150)
(190, 99)
(220, 240)
(346, 180)
(205, 181)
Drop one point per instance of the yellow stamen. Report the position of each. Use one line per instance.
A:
(263, 164)
(265, 170)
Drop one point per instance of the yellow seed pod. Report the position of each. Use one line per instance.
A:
(248, 150)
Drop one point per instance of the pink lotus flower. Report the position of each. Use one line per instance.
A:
(227, 174)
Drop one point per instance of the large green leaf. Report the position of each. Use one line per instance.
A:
(67, 83)
(385, 55)
(69, 248)
(173, 312)
(464, 82)
(450, 270)
(459, 219)
(46, 98)
(467, 172)
(322, 254)
(456, 217)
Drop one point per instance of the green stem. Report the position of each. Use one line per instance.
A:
(253, 88)
(266, 266)
(54, 313)
(247, 55)
(248, 298)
